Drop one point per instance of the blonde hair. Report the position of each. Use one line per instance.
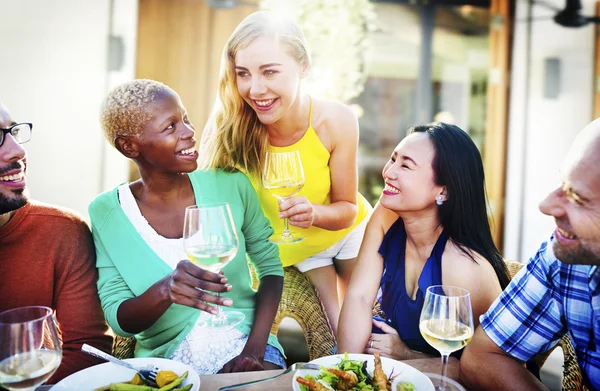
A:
(234, 138)
(125, 110)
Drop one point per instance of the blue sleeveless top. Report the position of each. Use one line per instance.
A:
(401, 310)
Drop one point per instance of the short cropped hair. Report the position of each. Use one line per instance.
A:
(125, 111)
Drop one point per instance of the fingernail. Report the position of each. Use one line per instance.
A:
(281, 216)
(227, 302)
(228, 287)
(214, 311)
(223, 280)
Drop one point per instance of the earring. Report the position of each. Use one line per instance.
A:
(439, 200)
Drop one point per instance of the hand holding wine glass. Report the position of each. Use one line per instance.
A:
(446, 323)
(30, 351)
(183, 283)
(210, 241)
(283, 176)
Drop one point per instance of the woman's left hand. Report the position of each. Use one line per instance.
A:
(388, 344)
(243, 363)
(299, 210)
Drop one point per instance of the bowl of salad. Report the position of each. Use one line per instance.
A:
(360, 372)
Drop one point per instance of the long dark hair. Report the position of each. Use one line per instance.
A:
(457, 165)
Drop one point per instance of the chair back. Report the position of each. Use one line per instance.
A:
(123, 347)
(513, 267)
(300, 301)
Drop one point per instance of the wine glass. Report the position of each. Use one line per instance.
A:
(30, 351)
(283, 177)
(210, 241)
(446, 323)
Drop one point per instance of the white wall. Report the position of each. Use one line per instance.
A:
(537, 144)
(53, 73)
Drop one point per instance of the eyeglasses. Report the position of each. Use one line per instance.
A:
(21, 132)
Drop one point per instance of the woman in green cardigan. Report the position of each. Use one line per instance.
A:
(145, 287)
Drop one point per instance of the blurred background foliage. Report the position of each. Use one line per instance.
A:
(336, 31)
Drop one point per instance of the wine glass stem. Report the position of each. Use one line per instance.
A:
(220, 315)
(444, 369)
(286, 229)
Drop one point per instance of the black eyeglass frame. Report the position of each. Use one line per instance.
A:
(9, 130)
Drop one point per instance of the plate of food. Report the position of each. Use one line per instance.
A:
(100, 377)
(358, 372)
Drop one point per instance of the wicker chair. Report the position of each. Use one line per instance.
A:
(299, 301)
(123, 347)
(572, 377)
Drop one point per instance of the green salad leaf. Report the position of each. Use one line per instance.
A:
(345, 365)
(405, 386)
(355, 366)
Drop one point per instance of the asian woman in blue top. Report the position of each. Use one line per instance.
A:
(430, 227)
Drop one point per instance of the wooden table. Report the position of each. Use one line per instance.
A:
(214, 382)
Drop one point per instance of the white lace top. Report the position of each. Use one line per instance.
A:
(205, 349)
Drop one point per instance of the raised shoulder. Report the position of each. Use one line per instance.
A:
(225, 180)
(242, 182)
(334, 122)
(67, 229)
(102, 206)
(458, 266)
(60, 215)
(237, 176)
(381, 219)
(473, 274)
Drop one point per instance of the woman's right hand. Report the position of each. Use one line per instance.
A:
(193, 286)
(300, 212)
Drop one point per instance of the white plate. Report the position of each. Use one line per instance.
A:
(104, 374)
(407, 373)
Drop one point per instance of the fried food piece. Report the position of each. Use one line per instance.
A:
(347, 379)
(137, 380)
(174, 383)
(312, 384)
(380, 380)
(165, 377)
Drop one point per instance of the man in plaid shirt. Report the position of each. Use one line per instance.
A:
(557, 293)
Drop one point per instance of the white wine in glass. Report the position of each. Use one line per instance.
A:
(446, 323)
(283, 176)
(210, 241)
(211, 257)
(30, 351)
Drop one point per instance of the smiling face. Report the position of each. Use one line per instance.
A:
(409, 176)
(13, 161)
(166, 142)
(575, 204)
(268, 78)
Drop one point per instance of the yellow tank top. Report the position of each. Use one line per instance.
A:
(317, 189)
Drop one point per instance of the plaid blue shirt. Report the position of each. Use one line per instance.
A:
(543, 302)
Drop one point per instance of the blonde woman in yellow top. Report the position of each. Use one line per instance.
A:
(261, 107)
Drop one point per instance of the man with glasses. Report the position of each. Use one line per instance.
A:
(47, 256)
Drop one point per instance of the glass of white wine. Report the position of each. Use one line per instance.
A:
(446, 323)
(283, 176)
(30, 350)
(210, 241)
